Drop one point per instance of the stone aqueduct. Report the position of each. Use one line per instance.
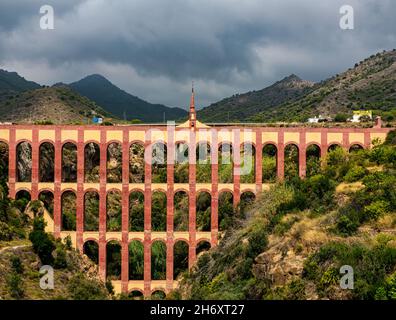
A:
(192, 133)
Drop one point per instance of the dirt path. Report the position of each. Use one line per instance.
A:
(12, 248)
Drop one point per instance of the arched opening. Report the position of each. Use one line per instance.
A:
(91, 211)
(114, 163)
(181, 163)
(313, 160)
(158, 211)
(202, 246)
(158, 163)
(69, 162)
(136, 163)
(113, 260)
(136, 260)
(136, 295)
(158, 260)
(4, 158)
(204, 163)
(136, 211)
(291, 161)
(24, 162)
(180, 258)
(68, 204)
(203, 211)
(113, 211)
(91, 250)
(269, 163)
(248, 163)
(158, 295)
(226, 166)
(92, 162)
(181, 201)
(333, 147)
(247, 198)
(226, 209)
(46, 162)
(22, 199)
(355, 148)
(47, 198)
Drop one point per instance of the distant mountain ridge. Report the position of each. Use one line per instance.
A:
(57, 105)
(241, 106)
(120, 103)
(12, 81)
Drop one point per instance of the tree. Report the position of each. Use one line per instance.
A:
(340, 117)
(43, 243)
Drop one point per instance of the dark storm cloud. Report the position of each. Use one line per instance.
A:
(155, 48)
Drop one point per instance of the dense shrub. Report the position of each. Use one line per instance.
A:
(43, 243)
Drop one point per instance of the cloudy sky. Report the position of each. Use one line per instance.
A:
(154, 49)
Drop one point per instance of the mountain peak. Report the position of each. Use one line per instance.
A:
(95, 78)
(291, 77)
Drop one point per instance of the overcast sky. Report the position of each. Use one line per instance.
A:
(154, 49)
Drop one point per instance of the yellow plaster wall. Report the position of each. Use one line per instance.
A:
(114, 135)
(204, 135)
(225, 135)
(292, 137)
(269, 136)
(47, 135)
(69, 135)
(311, 137)
(334, 137)
(158, 186)
(5, 135)
(139, 186)
(91, 185)
(203, 186)
(110, 186)
(23, 185)
(113, 236)
(158, 135)
(136, 235)
(182, 135)
(356, 137)
(381, 136)
(23, 135)
(137, 135)
(248, 136)
(46, 185)
(91, 135)
(68, 185)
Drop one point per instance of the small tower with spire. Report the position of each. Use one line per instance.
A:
(193, 116)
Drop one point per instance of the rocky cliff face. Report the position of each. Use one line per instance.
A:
(24, 162)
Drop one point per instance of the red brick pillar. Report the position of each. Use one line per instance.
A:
(323, 146)
(281, 155)
(302, 155)
(345, 141)
(102, 204)
(258, 161)
(215, 189)
(192, 198)
(12, 163)
(57, 182)
(147, 215)
(367, 139)
(80, 190)
(236, 153)
(35, 163)
(125, 212)
(169, 263)
(170, 169)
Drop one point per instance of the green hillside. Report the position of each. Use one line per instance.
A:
(120, 103)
